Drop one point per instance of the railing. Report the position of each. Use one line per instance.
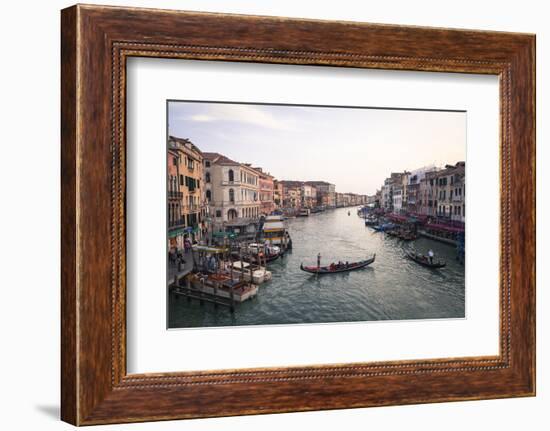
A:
(231, 183)
(176, 223)
(192, 207)
(175, 195)
(457, 198)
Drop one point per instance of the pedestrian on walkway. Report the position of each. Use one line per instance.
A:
(187, 245)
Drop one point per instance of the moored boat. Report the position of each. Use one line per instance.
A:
(274, 232)
(371, 220)
(250, 272)
(335, 268)
(259, 253)
(425, 261)
(304, 212)
(383, 227)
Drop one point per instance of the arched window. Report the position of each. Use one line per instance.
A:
(208, 195)
(232, 214)
(207, 177)
(231, 194)
(231, 175)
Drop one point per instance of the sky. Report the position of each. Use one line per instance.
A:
(353, 148)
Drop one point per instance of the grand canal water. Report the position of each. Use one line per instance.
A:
(392, 288)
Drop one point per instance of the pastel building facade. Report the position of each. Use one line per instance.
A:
(186, 200)
(232, 190)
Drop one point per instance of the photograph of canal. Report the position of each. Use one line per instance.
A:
(304, 214)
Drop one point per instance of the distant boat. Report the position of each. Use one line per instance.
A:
(371, 220)
(383, 227)
(304, 212)
(337, 268)
(424, 261)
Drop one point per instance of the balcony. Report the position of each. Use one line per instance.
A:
(231, 183)
(191, 208)
(457, 198)
(177, 223)
(175, 195)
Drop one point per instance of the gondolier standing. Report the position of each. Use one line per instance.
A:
(430, 255)
(318, 260)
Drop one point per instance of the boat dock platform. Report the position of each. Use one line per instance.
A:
(218, 292)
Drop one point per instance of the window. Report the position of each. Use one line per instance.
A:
(231, 194)
(208, 195)
(181, 180)
(207, 177)
(231, 175)
(207, 163)
(218, 213)
(175, 161)
(191, 183)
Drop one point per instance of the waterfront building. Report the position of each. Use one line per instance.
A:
(458, 193)
(266, 186)
(309, 196)
(427, 192)
(185, 162)
(394, 192)
(378, 199)
(175, 197)
(451, 191)
(386, 200)
(326, 193)
(339, 198)
(232, 193)
(397, 197)
(414, 193)
(292, 194)
(277, 194)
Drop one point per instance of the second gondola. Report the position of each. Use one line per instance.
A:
(425, 261)
(336, 268)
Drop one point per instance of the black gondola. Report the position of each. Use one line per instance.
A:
(335, 268)
(424, 261)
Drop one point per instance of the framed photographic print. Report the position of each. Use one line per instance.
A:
(265, 215)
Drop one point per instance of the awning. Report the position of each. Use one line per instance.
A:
(182, 231)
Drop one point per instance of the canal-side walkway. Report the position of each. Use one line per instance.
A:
(185, 267)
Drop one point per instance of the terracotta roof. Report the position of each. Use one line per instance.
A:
(219, 159)
(318, 183)
(291, 183)
(185, 142)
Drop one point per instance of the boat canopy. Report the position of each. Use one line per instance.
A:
(273, 226)
(206, 249)
(444, 228)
